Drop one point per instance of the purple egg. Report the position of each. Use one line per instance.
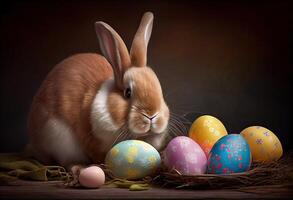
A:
(185, 155)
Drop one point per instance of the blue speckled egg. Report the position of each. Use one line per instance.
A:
(133, 159)
(230, 154)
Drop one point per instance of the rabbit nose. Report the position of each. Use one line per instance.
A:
(150, 117)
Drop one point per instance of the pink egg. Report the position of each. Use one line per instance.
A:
(92, 177)
(186, 156)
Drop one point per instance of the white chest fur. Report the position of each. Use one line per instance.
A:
(102, 123)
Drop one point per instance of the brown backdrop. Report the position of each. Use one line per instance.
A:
(230, 60)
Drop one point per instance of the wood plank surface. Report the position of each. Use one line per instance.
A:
(56, 190)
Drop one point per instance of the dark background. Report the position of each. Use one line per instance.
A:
(230, 60)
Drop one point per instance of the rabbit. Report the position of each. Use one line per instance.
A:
(89, 101)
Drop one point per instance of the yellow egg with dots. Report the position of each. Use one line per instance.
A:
(206, 131)
(264, 144)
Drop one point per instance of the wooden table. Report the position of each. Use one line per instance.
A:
(56, 190)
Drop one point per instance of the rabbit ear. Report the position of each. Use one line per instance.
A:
(114, 49)
(138, 52)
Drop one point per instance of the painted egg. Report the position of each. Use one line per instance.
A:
(206, 131)
(263, 143)
(133, 159)
(230, 154)
(185, 155)
(91, 177)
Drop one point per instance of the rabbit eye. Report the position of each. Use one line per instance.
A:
(127, 93)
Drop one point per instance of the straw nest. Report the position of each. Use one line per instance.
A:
(277, 173)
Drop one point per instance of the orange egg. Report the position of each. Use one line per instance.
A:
(206, 131)
(264, 144)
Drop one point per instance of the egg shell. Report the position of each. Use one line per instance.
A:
(92, 177)
(206, 131)
(133, 159)
(230, 154)
(185, 155)
(264, 144)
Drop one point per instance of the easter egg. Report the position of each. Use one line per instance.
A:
(230, 154)
(91, 177)
(185, 155)
(206, 131)
(264, 144)
(133, 159)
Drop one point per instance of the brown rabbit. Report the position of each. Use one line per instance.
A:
(88, 101)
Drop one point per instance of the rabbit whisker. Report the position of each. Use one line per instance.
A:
(178, 123)
(120, 132)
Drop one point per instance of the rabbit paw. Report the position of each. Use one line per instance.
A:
(75, 171)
